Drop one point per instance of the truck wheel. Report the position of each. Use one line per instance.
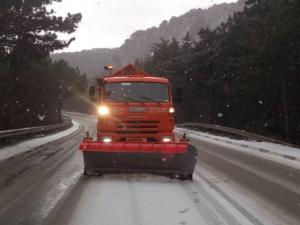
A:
(185, 177)
(85, 172)
(89, 172)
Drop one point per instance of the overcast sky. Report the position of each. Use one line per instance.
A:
(107, 23)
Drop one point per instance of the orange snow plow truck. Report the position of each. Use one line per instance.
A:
(135, 128)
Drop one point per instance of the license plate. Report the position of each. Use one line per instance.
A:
(137, 109)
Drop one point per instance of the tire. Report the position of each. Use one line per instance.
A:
(90, 172)
(85, 172)
(185, 177)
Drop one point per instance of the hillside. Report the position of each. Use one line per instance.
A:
(139, 44)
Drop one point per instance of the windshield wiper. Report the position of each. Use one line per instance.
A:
(127, 99)
(150, 99)
(140, 99)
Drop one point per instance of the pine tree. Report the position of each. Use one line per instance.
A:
(29, 93)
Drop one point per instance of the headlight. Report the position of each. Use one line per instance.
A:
(167, 139)
(106, 139)
(171, 110)
(103, 111)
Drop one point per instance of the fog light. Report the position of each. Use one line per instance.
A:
(167, 139)
(107, 139)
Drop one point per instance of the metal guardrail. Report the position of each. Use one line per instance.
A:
(31, 131)
(232, 131)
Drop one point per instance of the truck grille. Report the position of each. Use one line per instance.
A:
(142, 127)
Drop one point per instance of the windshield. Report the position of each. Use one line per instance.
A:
(136, 91)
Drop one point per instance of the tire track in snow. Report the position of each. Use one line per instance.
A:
(29, 188)
(134, 204)
(234, 203)
(205, 208)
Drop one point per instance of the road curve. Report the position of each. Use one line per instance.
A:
(46, 186)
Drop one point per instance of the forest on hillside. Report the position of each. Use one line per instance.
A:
(244, 74)
(32, 87)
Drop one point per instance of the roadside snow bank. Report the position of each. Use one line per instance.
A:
(286, 152)
(92, 116)
(10, 151)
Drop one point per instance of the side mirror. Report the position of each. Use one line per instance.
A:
(92, 94)
(178, 95)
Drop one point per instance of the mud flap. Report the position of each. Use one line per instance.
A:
(175, 165)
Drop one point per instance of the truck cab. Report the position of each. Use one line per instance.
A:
(134, 106)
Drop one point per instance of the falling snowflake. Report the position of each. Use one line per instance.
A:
(227, 105)
(27, 110)
(265, 124)
(220, 115)
(260, 102)
(41, 117)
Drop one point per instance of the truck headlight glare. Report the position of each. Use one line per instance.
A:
(103, 111)
(171, 110)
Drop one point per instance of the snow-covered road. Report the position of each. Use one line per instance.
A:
(275, 149)
(225, 190)
(143, 199)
